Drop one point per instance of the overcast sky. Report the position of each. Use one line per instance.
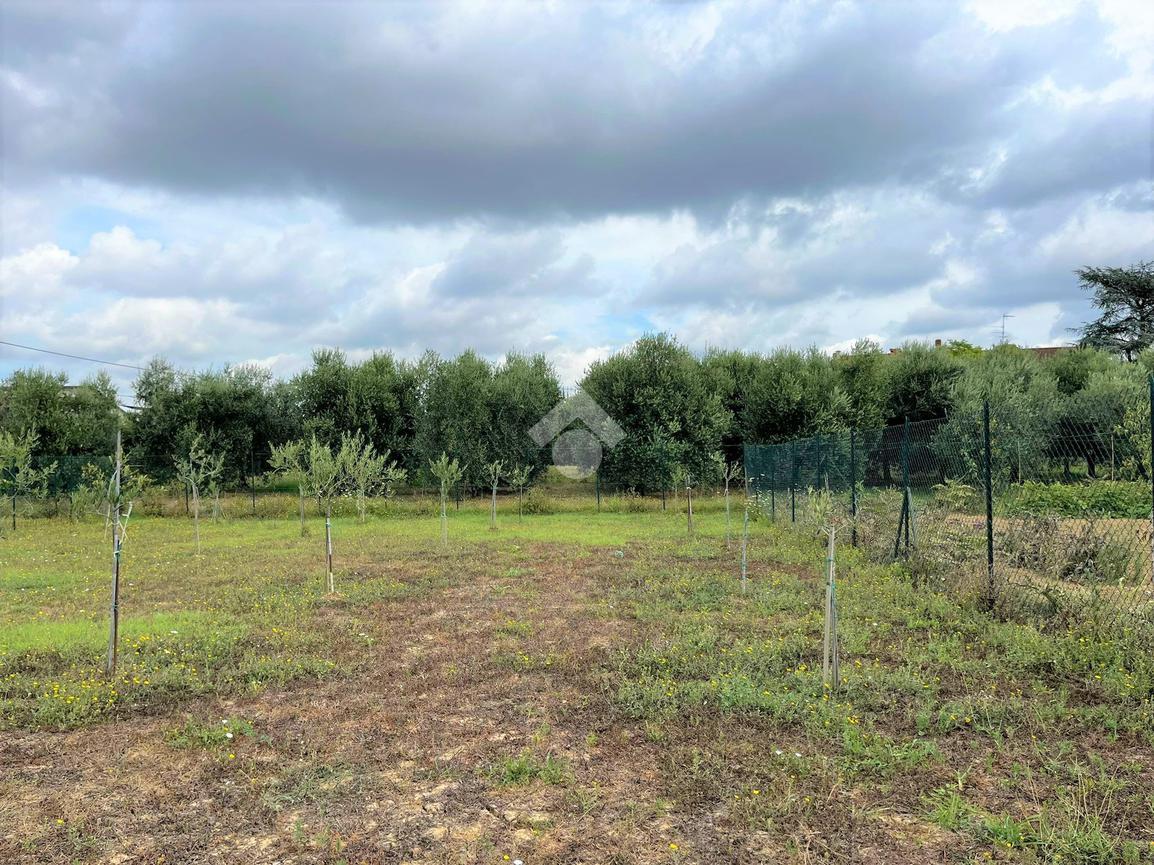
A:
(224, 183)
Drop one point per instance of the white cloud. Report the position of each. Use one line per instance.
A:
(36, 275)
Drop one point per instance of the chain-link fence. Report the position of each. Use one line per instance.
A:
(1050, 524)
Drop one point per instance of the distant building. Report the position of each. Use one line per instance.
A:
(1041, 352)
(1045, 351)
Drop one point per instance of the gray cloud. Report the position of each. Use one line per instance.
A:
(514, 265)
(430, 113)
(933, 322)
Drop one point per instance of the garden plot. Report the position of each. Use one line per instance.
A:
(570, 688)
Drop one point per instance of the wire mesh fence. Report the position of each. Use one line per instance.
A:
(1049, 524)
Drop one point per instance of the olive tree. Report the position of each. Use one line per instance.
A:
(519, 477)
(362, 466)
(492, 474)
(117, 492)
(448, 472)
(664, 401)
(95, 493)
(288, 461)
(684, 475)
(18, 476)
(391, 475)
(326, 481)
(199, 470)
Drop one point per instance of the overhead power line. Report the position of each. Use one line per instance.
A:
(72, 356)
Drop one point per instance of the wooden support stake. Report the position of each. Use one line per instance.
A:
(831, 666)
(745, 547)
(329, 546)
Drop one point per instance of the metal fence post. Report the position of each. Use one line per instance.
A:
(252, 474)
(853, 487)
(990, 503)
(906, 480)
(597, 484)
(830, 666)
(793, 482)
(772, 484)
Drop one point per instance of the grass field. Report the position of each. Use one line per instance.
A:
(574, 688)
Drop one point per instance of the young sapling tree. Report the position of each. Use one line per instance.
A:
(326, 481)
(391, 477)
(288, 461)
(363, 467)
(18, 477)
(519, 477)
(90, 495)
(117, 494)
(448, 472)
(493, 477)
(94, 495)
(682, 475)
(198, 471)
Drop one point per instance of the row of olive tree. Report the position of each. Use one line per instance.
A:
(678, 410)
(1081, 408)
(675, 407)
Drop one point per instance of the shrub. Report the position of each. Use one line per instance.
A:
(625, 503)
(1029, 542)
(541, 504)
(1093, 557)
(1121, 499)
(1079, 552)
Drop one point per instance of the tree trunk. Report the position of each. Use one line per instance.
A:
(493, 510)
